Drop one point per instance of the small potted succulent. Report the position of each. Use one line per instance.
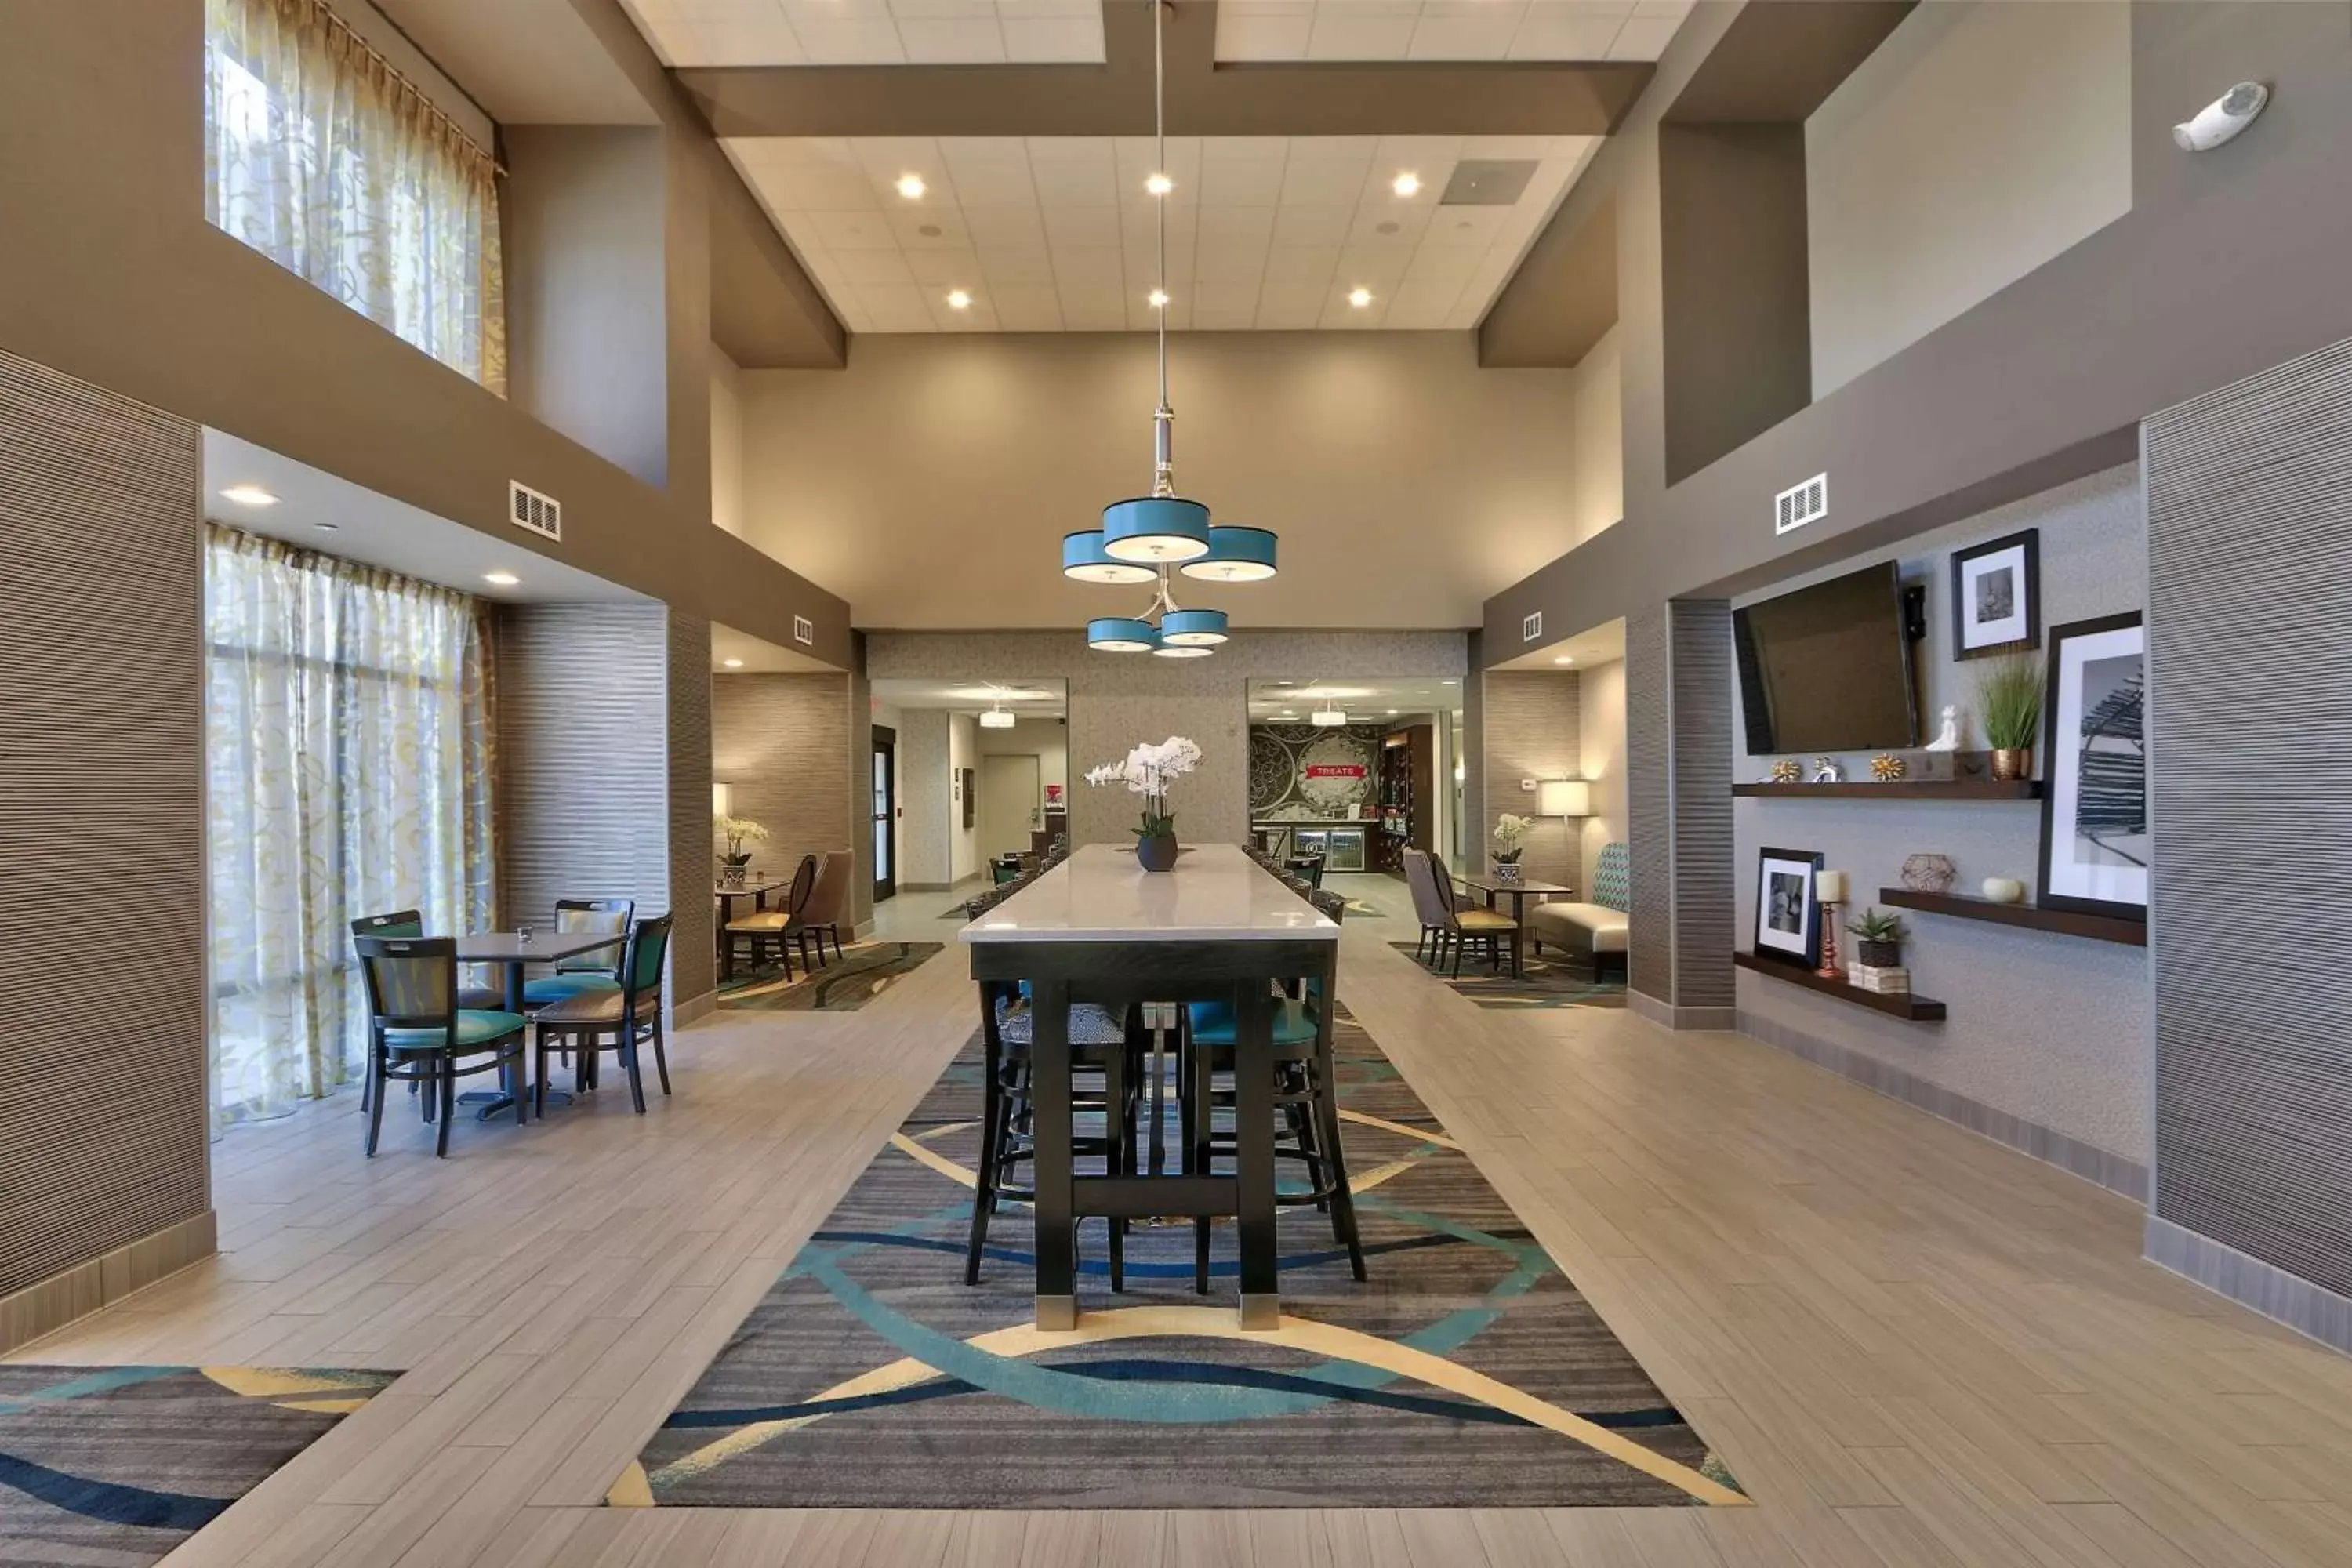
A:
(739, 831)
(1879, 935)
(1510, 840)
(2009, 697)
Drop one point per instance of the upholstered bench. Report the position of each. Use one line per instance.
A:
(1597, 930)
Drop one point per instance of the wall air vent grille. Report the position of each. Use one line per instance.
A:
(1800, 504)
(803, 630)
(1531, 628)
(527, 508)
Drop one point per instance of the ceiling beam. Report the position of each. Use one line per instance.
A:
(1205, 98)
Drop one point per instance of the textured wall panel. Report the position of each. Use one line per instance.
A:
(693, 969)
(2250, 612)
(101, 1129)
(777, 741)
(1700, 728)
(1649, 742)
(583, 757)
(1535, 729)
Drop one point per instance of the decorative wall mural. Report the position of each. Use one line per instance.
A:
(1302, 774)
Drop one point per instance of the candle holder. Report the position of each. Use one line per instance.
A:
(1829, 969)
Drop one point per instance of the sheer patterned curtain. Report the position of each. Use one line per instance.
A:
(322, 158)
(348, 752)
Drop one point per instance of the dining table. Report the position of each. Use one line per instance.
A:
(1518, 890)
(1098, 928)
(514, 950)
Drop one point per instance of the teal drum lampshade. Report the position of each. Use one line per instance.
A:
(1192, 628)
(1154, 530)
(1085, 560)
(1235, 555)
(1120, 633)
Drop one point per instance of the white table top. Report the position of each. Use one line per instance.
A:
(1216, 893)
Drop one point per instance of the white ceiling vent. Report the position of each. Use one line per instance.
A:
(1800, 504)
(803, 630)
(1531, 628)
(526, 508)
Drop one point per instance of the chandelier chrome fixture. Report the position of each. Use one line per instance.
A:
(1140, 540)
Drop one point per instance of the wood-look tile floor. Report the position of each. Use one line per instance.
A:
(1915, 1349)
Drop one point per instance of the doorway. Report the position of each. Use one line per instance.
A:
(885, 817)
(1011, 788)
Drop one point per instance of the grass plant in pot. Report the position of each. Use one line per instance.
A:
(1878, 937)
(2009, 697)
(1147, 771)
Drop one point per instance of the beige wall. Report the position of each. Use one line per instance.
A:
(963, 751)
(1601, 756)
(1406, 483)
(1599, 463)
(1980, 140)
(777, 742)
(1118, 700)
(1531, 731)
(726, 442)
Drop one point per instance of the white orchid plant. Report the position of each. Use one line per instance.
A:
(1510, 831)
(1147, 771)
(739, 831)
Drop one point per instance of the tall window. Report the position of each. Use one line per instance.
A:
(323, 159)
(347, 751)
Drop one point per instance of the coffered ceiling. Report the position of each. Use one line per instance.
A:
(1054, 234)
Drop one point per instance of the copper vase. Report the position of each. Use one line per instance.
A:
(2012, 762)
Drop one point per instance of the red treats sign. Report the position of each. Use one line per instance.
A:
(1336, 770)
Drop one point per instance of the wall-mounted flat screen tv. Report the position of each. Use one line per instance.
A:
(1828, 668)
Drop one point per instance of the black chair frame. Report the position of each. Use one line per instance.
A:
(434, 1069)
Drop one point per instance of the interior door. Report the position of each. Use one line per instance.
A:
(886, 814)
(1010, 787)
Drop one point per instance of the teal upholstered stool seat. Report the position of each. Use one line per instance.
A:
(475, 1028)
(1212, 1023)
(552, 988)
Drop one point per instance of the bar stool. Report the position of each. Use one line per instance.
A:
(1306, 1096)
(1102, 1046)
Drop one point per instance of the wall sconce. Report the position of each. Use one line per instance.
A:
(720, 802)
(1564, 797)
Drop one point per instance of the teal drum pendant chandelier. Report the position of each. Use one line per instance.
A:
(1148, 539)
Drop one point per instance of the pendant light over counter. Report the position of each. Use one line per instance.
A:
(1141, 539)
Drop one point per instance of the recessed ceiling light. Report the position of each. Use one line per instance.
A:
(500, 579)
(1360, 297)
(1156, 298)
(248, 495)
(327, 527)
(733, 663)
(1565, 659)
(1407, 184)
(959, 300)
(1160, 184)
(911, 187)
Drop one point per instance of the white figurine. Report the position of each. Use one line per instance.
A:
(1950, 739)
(1826, 772)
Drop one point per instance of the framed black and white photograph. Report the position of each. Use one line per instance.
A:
(1788, 919)
(1997, 596)
(2095, 838)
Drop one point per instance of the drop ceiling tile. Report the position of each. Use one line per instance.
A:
(1497, 147)
(1388, 222)
(1466, 228)
(1236, 225)
(1314, 178)
(940, 10)
(1670, 10)
(1361, 33)
(946, 268)
(1003, 186)
(1006, 227)
(818, 187)
(1224, 306)
(1073, 171)
(1312, 224)
(1082, 226)
(1247, 36)
(862, 268)
(925, 229)
(1422, 306)
(1477, 33)
(1242, 171)
(1139, 229)
(895, 307)
(1290, 307)
(853, 43)
(1102, 268)
(784, 151)
(1229, 263)
(1047, 10)
(1055, 40)
(1027, 307)
(1298, 264)
(768, 41)
(836, 10)
(979, 316)
(1449, 265)
(843, 232)
(1373, 266)
(1137, 160)
(1339, 315)
(1645, 37)
(1092, 311)
(966, 42)
(1008, 266)
(1557, 31)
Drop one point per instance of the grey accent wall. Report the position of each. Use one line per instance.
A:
(1649, 745)
(777, 742)
(2250, 598)
(693, 964)
(102, 1135)
(1678, 756)
(2047, 1031)
(1117, 699)
(1534, 729)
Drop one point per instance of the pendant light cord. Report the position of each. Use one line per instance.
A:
(1163, 418)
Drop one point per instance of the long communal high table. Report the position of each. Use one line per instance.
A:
(1098, 928)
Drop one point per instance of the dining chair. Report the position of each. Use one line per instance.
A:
(1466, 924)
(1306, 1098)
(826, 907)
(765, 926)
(470, 998)
(597, 969)
(417, 1033)
(630, 1014)
(1429, 906)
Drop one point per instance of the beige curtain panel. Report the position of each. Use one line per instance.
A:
(324, 159)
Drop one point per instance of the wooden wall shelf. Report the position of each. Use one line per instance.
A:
(2066, 923)
(1916, 1010)
(1901, 789)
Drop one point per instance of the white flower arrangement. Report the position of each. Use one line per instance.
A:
(739, 831)
(1147, 771)
(1510, 831)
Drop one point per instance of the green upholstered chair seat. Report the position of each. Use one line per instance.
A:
(551, 988)
(474, 1030)
(1212, 1023)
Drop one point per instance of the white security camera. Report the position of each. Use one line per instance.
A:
(2223, 119)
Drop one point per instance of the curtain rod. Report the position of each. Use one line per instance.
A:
(407, 83)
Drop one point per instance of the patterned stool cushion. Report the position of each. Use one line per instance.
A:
(1089, 1025)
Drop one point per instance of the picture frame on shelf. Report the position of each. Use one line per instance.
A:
(1997, 596)
(2095, 831)
(1788, 914)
